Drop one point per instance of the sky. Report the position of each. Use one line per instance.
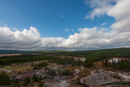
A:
(64, 24)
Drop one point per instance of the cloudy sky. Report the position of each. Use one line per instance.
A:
(64, 24)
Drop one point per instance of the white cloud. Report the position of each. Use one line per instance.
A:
(122, 15)
(120, 11)
(19, 39)
(87, 38)
(100, 7)
(119, 36)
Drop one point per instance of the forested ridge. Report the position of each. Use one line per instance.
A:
(90, 55)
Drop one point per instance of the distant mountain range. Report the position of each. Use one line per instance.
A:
(63, 51)
(17, 52)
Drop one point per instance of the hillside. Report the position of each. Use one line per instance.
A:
(17, 52)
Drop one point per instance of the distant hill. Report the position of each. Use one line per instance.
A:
(100, 53)
(81, 52)
(85, 51)
(17, 52)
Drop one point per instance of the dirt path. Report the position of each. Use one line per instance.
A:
(75, 77)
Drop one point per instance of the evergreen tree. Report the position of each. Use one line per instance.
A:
(106, 62)
(4, 79)
(27, 81)
(40, 85)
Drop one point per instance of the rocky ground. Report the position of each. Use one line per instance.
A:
(101, 77)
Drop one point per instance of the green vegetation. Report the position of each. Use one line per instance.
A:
(40, 85)
(104, 53)
(27, 81)
(88, 62)
(36, 78)
(122, 64)
(66, 61)
(51, 72)
(65, 73)
(16, 83)
(41, 64)
(117, 77)
(4, 79)
(23, 59)
(17, 52)
(56, 57)
(92, 56)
